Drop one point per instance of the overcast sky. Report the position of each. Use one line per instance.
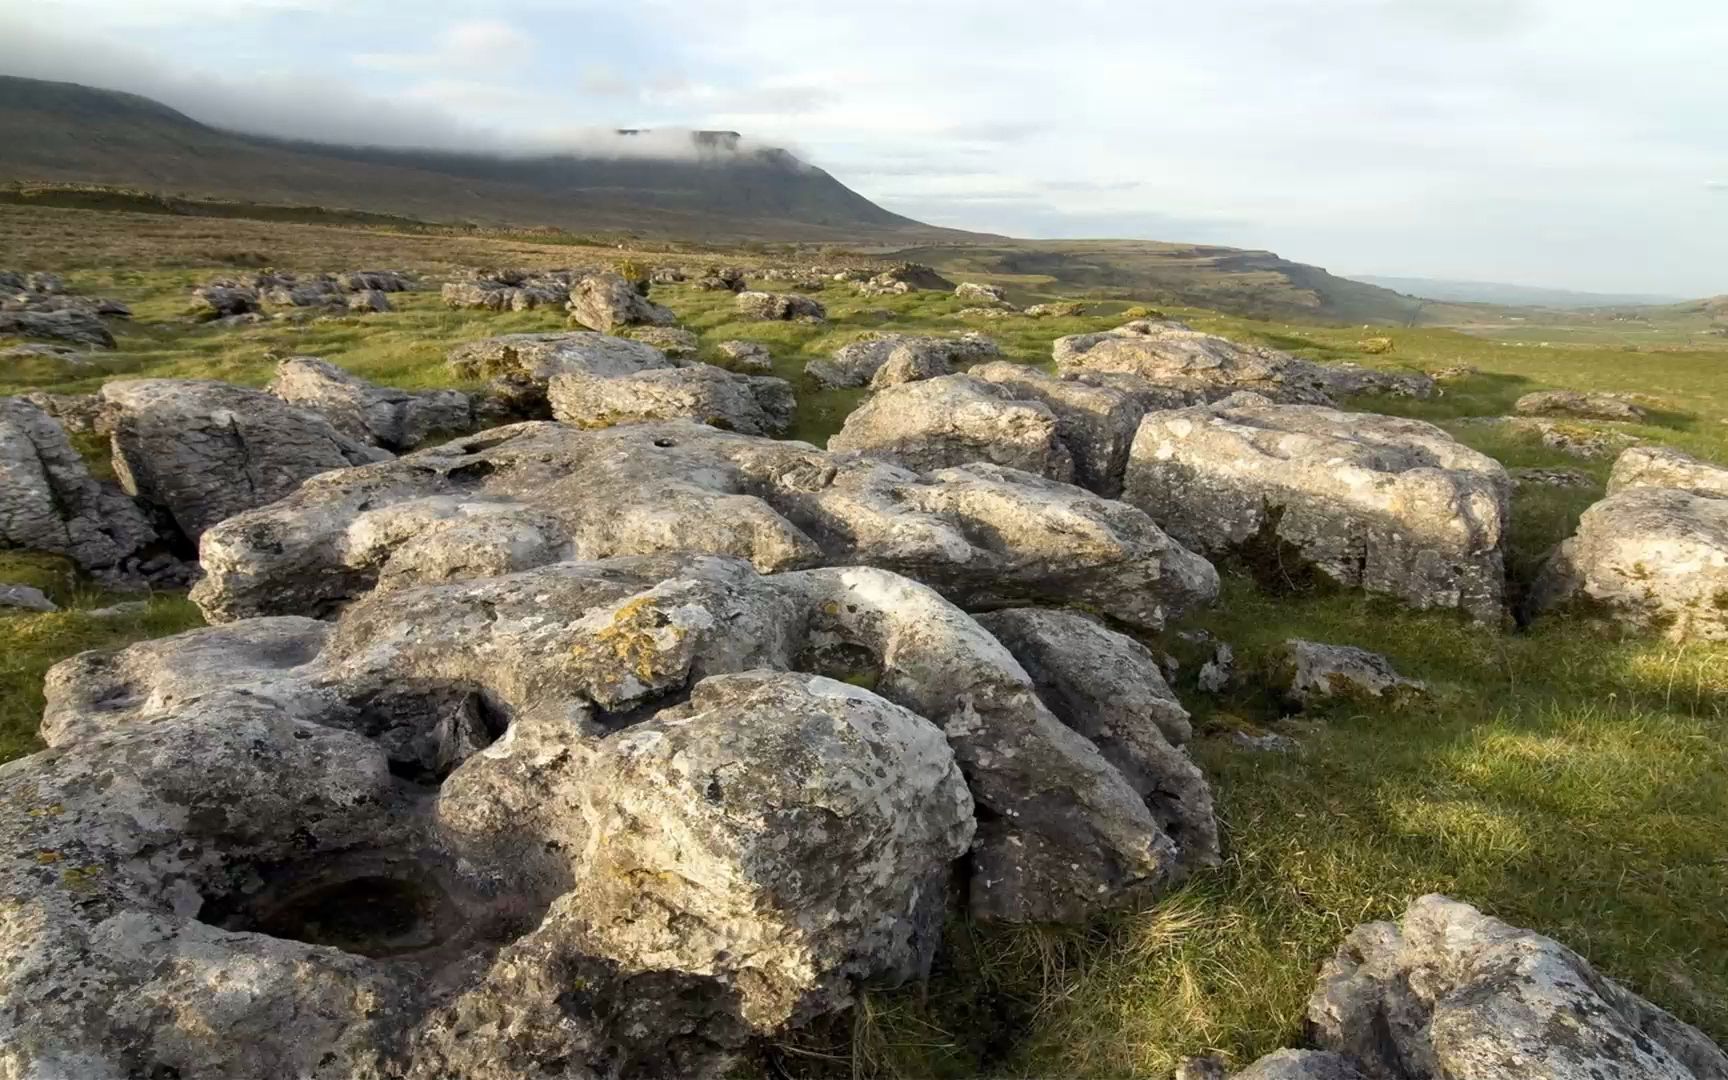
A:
(1568, 143)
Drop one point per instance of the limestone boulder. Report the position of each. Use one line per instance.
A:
(1309, 673)
(1096, 423)
(50, 502)
(985, 295)
(394, 419)
(750, 357)
(1176, 356)
(1450, 992)
(1381, 503)
(674, 341)
(606, 302)
(204, 451)
(772, 306)
(520, 367)
(857, 363)
(1109, 688)
(984, 535)
(1579, 405)
(221, 301)
(74, 327)
(1660, 467)
(1652, 557)
(954, 420)
(750, 404)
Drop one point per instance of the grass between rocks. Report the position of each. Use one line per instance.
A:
(1567, 777)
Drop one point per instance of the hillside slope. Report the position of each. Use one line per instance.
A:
(1490, 292)
(65, 132)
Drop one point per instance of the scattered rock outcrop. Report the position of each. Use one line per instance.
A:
(903, 278)
(857, 363)
(1380, 503)
(746, 356)
(520, 367)
(532, 493)
(750, 404)
(1308, 673)
(984, 295)
(606, 301)
(204, 451)
(75, 327)
(954, 420)
(25, 598)
(396, 420)
(1654, 553)
(771, 306)
(722, 279)
(1205, 366)
(1450, 992)
(1582, 406)
(50, 502)
(674, 341)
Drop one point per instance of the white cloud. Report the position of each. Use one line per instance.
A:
(469, 45)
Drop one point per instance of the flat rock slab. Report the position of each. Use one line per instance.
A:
(1577, 404)
(857, 363)
(954, 420)
(396, 420)
(528, 494)
(1380, 503)
(1310, 673)
(1660, 467)
(750, 404)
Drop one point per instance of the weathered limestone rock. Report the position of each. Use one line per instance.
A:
(1301, 1065)
(25, 598)
(1660, 467)
(747, 356)
(954, 420)
(50, 502)
(1108, 687)
(1381, 503)
(779, 306)
(674, 341)
(1308, 673)
(722, 279)
(521, 366)
(477, 295)
(1096, 423)
(1171, 354)
(397, 420)
(217, 301)
(857, 364)
(914, 276)
(750, 404)
(204, 451)
(1654, 557)
(1450, 992)
(606, 301)
(369, 300)
(1061, 309)
(1354, 380)
(987, 295)
(1574, 403)
(387, 281)
(77, 327)
(984, 535)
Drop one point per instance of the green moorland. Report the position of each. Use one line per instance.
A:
(1566, 776)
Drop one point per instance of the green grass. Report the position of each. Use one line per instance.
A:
(1567, 778)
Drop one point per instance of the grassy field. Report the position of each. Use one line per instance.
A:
(1566, 777)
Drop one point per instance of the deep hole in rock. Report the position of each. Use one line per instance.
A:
(375, 906)
(843, 661)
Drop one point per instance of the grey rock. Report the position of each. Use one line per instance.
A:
(25, 598)
(987, 313)
(76, 327)
(1301, 1065)
(387, 281)
(857, 363)
(1354, 380)
(779, 306)
(750, 404)
(1381, 503)
(81, 413)
(1654, 557)
(50, 502)
(1660, 467)
(396, 420)
(521, 366)
(746, 356)
(955, 420)
(722, 279)
(1108, 687)
(985, 535)
(204, 451)
(674, 341)
(1309, 673)
(123, 610)
(1575, 437)
(1096, 423)
(1450, 992)
(606, 301)
(913, 276)
(369, 300)
(1215, 674)
(63, 353)
(1061, 309)
(1553, 478)
(974, 293)
(1174, 355)
(478, 295)
(223, 301)
(1574, 403)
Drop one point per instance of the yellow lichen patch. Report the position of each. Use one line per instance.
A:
(81, 878)
(47, 856)
(630, 640)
